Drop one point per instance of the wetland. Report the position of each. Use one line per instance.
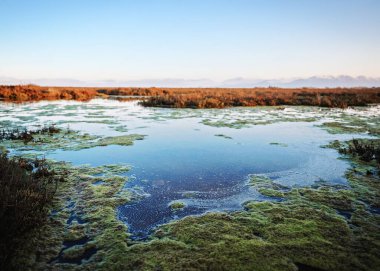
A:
(242, 188)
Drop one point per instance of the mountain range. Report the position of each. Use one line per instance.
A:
(239, 82)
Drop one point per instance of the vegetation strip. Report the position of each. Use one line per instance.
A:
(201, 97)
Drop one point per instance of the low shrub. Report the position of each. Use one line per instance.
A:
(27, 189)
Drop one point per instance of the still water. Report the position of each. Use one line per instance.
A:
(181, 159)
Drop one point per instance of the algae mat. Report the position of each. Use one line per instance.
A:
(180, 189)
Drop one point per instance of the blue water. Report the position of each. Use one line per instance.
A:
(183, 160)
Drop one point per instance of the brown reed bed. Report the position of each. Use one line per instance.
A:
(202, 97)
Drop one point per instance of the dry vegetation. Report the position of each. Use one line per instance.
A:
(219, 98)
(203, 97)
(27, 189)
(35, 93)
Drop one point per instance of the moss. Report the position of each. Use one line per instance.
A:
(351, 126)
(121, 128)
(335, 144)
(279, 144)
(124, 140)
(238, 124)
(96, 121)
(266, 186)
(177, 205)
(75, 232)
(254, 116)
(224, 136)
(269, 236)
(96, 208)
(270, 192)
(341, 199)
(70, 140)
(76, 251)
(189, 194)
(104, 170)
(304, 230)
(3, 150)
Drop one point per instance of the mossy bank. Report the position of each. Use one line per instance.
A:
(323, 227)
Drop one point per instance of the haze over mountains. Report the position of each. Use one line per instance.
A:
(239, 82)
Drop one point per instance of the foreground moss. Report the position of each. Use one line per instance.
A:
(177, 205)
(324, 227)
(83, 231)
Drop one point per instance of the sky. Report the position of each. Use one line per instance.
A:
(189, 39)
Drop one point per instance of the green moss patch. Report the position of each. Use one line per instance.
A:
(177, 205)
(266, 186)
(69, 140)
(278, 144)
(308, 229)
(224, 136)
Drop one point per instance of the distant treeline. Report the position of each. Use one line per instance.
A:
(203, 97)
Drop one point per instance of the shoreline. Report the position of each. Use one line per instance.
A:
(200, 97)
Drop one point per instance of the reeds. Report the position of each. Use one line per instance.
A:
(203, 97)
(26, 135)
(366, 150)
(220, 98)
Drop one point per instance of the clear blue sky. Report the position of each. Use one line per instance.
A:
(216, 39)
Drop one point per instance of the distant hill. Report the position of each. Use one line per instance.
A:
(315, 81)
(239, 82)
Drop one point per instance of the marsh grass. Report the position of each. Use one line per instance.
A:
(27, 135)
(201, 97)
(366, 150)
(220, 98)
(27, 189)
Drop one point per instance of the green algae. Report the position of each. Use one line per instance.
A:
(27, 118)
(221, 123)
(224, 136)
(75, 232)
(124, 140)
(339, 128)
(340, 199)
(189, 194)
(356, 119)
(306, 229)
(77, 251)
(266, 186)
(3, 150)
(278, 144)
(96, 121)
(97, 116)
(93, 206)
(121, 128)
(352, 124)
(244, 123)
(177, 205)
(267, 237)
(67, 139)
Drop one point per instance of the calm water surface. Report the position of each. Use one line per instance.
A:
(183, 160)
